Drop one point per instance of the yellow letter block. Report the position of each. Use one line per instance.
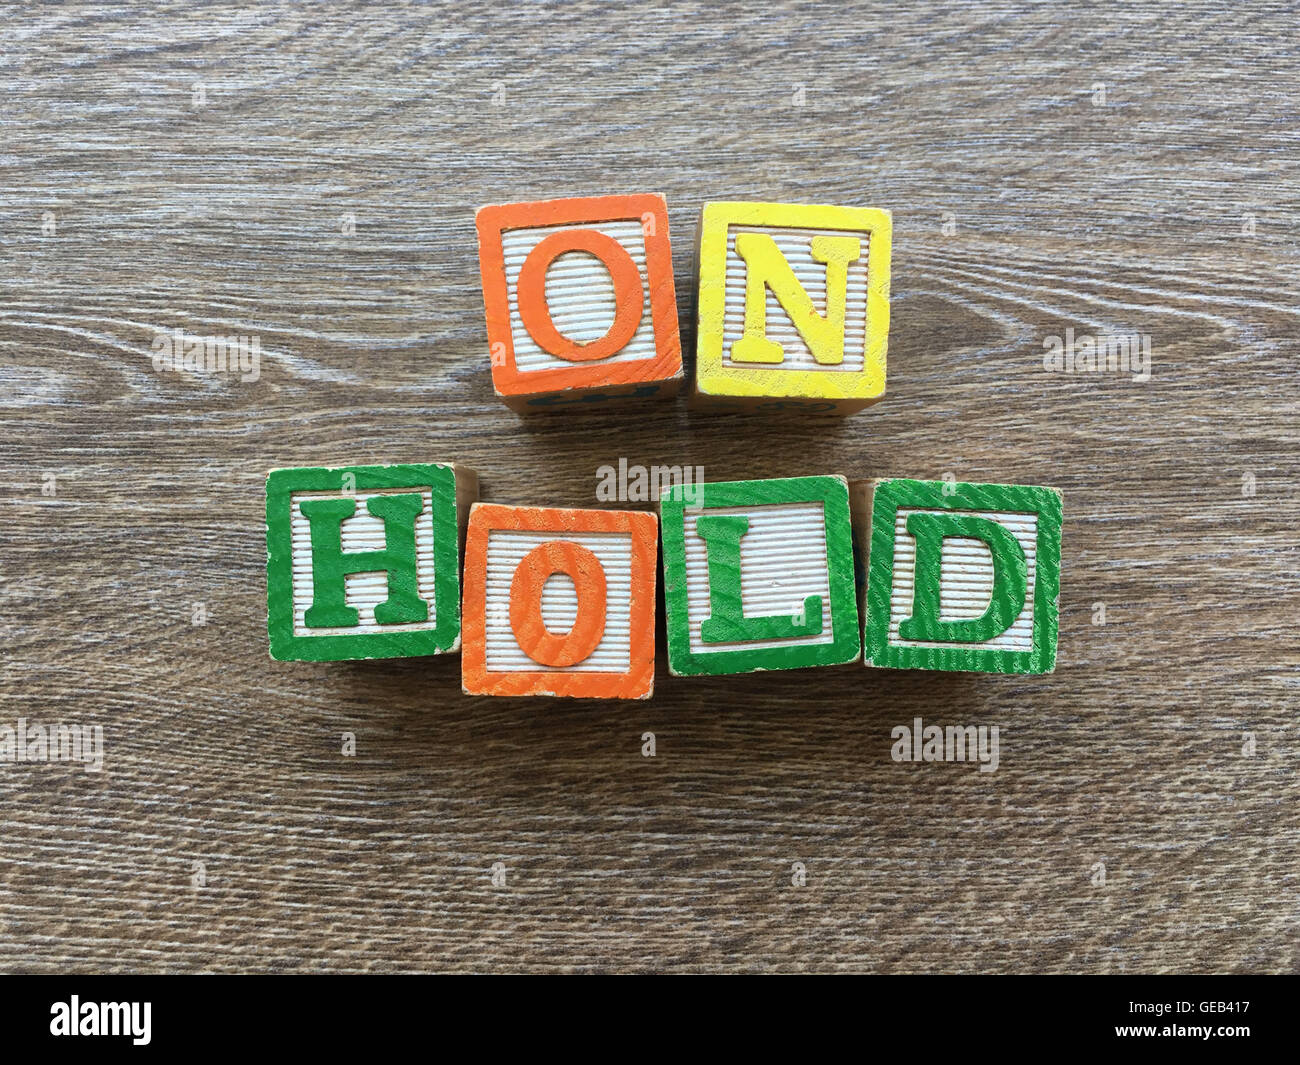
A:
(793, 309)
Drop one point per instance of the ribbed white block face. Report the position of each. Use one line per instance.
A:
(362, 591)
(796, 246)
(579, 293)
(782, 562)
(506, 549)
(966, 579)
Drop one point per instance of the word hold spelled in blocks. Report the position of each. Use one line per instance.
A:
(580, 301)
(961, 576)
(363, 561)
(559, 602)
(759, 575)
(793, 310)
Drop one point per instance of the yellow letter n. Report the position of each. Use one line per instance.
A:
(767, 268)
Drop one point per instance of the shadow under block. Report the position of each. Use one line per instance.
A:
(759, 575)
(364, 561)
(559, 602)
(580, 303)
(960, 576)
(793, 307)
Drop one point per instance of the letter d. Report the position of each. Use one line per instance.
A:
(1010, 579)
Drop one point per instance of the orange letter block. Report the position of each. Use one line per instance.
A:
(580, 301)
(559, 602)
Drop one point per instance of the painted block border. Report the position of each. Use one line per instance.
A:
(712, 378)
(833, 493)
(492, 220)
(287, 646)
(638, 681)
(887, 496)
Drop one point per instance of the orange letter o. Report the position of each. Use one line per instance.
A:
(536, 314)
(531, 575)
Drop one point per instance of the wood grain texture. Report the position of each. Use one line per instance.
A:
(310, 176)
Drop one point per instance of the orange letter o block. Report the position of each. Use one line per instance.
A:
(531, 575)
(536, 314)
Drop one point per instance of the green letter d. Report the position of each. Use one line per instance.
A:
(1010, 579)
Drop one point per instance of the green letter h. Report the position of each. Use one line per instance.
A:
(330, 565)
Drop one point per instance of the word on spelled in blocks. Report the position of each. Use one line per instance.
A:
(960, 576)
(793, 309)
(759, 575)
(580, 301)
(364, 561)
(559, 602)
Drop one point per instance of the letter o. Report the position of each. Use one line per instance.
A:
(629, 301)
(532, 573)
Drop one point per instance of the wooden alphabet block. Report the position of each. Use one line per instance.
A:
(759, 575)
(793, 309)
(580, 302)
(364, 561)
(960, 576)
(559, 602)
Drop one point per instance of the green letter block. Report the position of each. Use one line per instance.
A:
(962, 576)
(759, 575)
(364, 561)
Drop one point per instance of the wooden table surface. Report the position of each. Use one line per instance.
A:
(310, 177)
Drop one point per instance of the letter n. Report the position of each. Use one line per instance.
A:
(766, 268)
